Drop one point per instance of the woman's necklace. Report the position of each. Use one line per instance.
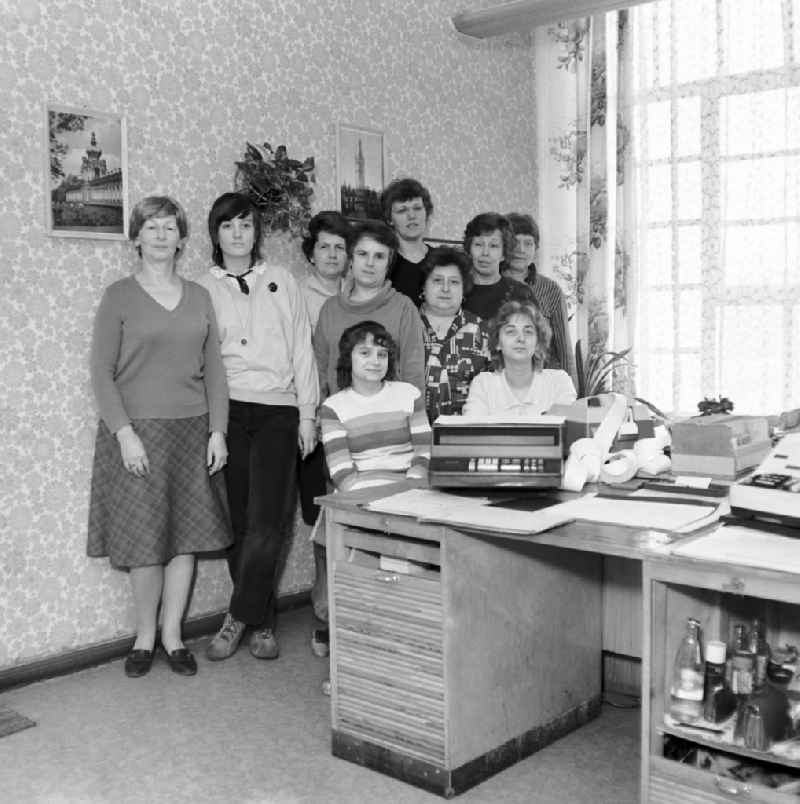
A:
(239, 298)
(439, 325)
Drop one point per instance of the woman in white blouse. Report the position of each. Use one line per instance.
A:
(519, 339)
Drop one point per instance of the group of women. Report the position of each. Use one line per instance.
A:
(237, 370)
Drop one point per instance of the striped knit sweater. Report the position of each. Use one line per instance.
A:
(551, 301)
(376, 439)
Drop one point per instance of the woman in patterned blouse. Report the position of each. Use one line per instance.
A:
(456, 340)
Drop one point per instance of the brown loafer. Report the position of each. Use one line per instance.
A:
(182, 662)
(138, 663)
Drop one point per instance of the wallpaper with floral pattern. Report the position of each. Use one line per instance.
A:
(196, 79)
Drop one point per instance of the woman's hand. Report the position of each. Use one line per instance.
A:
(134, 457)
(307, 436)
(217, 452)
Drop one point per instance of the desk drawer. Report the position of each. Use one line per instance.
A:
(388, 672)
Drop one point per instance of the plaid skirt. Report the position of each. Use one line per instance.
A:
(175, 509)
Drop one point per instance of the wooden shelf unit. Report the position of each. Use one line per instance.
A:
(719, 595)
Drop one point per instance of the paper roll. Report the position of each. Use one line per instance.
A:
(649, 453)
(575, 475)
(607, 431)
(656, 465)
(588, 453)
(662, 436)
(619, 467)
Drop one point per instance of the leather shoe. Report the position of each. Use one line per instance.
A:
(182, 662)
(138, 663)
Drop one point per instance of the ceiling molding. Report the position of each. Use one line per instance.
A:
(522, 15)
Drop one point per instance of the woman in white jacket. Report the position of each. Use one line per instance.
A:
(265, 337)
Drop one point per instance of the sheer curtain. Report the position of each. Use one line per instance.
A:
(669, 153)
(716, 148)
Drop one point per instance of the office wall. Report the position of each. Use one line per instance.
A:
(196, 79)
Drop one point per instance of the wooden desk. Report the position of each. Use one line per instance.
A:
(491, 651)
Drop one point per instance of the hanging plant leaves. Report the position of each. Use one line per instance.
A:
(279, 186)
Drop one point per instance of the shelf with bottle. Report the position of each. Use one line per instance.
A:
(739, 703)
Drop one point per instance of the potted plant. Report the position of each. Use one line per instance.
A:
(595, 373)
(279, 186)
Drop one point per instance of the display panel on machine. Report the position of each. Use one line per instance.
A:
(497, 453)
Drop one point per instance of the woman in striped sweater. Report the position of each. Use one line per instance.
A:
(375, 430)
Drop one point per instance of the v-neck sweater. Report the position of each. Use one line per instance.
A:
(148, 362)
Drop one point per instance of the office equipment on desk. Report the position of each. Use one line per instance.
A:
(497, 452)
(772, 492)
(719, 445)
(586, 455)
(584, 416)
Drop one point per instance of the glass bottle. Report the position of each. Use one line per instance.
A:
(760, 649)
(742, 661)
(686, 691)
(719, 701)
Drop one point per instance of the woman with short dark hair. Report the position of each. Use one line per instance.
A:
(265, 337)
(489, 240)
(456, 340)
(407, 208)
(368, 294)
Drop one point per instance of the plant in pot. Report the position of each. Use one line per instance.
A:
(596, 372)
(279, 186)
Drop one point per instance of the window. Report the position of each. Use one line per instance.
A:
(716, 121)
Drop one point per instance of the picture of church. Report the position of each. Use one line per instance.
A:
(87, 175)
(360, 166)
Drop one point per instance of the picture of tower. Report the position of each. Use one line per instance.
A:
(360, 167)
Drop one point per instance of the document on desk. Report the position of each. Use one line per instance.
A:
(740, 545)
(476, 513)
(636, 513)
(423, 503)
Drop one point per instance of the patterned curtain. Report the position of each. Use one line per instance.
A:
(586, 200)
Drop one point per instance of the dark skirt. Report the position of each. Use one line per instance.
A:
(176, 509)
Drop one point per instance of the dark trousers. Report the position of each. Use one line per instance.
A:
(260, 478)
(312, 475)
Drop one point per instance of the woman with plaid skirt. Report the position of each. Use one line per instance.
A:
(158, 497)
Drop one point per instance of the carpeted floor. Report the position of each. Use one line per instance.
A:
(258, 732)
(12, 722)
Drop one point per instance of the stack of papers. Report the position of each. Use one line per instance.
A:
(480, 513)
(740, 545)
(638, 513)
(477, 513)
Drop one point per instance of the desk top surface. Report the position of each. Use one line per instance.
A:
(613, 540)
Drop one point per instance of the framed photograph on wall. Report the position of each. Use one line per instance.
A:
(86, 174)
(360, 170)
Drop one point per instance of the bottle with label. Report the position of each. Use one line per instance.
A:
(686, 691)
(760, 650)
(742, 661)
(719, 701)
